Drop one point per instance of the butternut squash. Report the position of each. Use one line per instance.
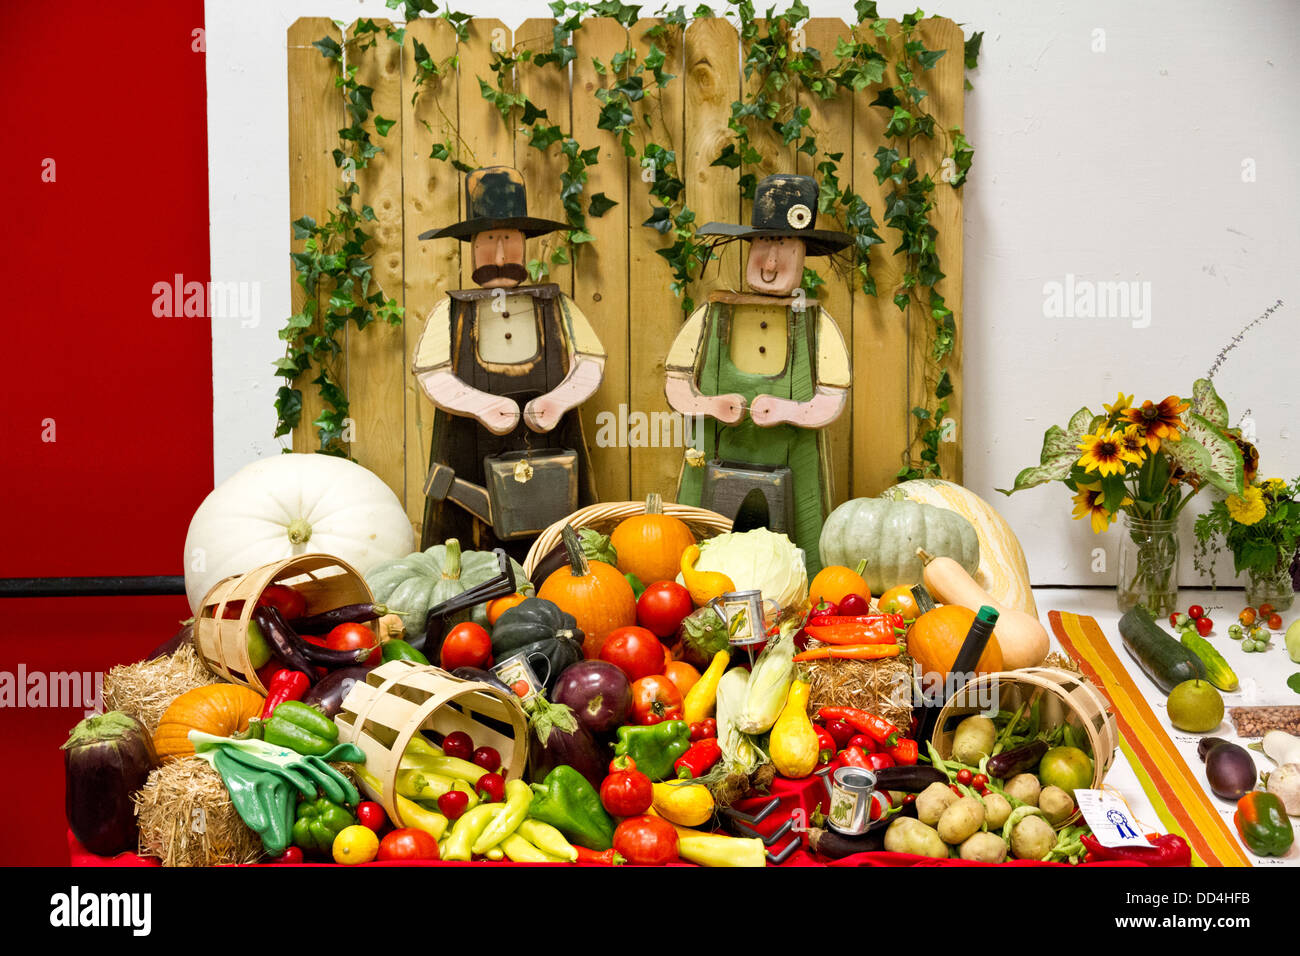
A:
(1021, 638)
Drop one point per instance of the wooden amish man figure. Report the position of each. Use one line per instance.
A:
(506, 364)
(767, 371)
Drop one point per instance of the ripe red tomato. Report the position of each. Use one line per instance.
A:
(466, 645)
(635, 651)
(351, 637)
(284, 599)
(1204, 625)
(646, 841)
(662, 607)
(408, 843)
(655, 699)
(1275, 621)
(1195, 612)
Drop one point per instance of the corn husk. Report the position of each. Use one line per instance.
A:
(769, 684)
(738, 752)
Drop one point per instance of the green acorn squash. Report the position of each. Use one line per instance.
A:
(530, 621)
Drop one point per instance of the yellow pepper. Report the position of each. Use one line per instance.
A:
(547, 839)
(704, 586)
(469, 828)
(702, 698)
(716, 849)
(521, 851)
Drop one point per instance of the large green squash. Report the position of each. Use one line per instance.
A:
(419, 581)
(887, 533)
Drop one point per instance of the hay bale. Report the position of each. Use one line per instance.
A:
(880, 687)
(186, 818)
(146, 689)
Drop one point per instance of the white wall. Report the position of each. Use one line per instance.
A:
(1125, 164)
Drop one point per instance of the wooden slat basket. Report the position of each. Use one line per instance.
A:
(326, 582)
(1066, 698)
(401, 698)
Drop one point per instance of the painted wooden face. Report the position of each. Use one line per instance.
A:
(499, 258)
(775, 265)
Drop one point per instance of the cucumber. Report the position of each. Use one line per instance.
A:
(1217, 671)
(1161, 657)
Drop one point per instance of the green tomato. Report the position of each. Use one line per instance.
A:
(259, 652)
(1235, 632)
(1066, 767)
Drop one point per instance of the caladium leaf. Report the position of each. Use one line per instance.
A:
(1207, 454)
(1060, 452)
(1206, 402)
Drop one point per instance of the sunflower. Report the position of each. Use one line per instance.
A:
(1247, 508)
(1105, 454)
(1122, 402)
(1091, 502)
(1159, 422)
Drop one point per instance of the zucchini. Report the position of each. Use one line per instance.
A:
(1161, 657)
(1217, 671)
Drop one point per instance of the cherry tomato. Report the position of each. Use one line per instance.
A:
(408, 843)
(491, 788)
(654, 699)
(453, 804)
(909, 798)
(1173, 619)
(1275, 622)
(841, 732)
(351, 637)
(979, 782)
(1266, 609)
(854, 604)
(371, 814)
(1195, 611)
(466, 645)
(899, 600)
(965, 777)
(458, 744)
(662, 607)
(291, 855)
(487, 758)
(1247, 616)
(956, 789)
(1204, 625)
(646, 841)
(704, 729)
(635, 651)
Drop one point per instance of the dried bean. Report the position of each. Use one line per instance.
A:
(1257, 721)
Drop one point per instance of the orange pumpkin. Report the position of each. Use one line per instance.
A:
(217, 709)
(595, 593)
(835, 582)
(937, 635)
(651, 545)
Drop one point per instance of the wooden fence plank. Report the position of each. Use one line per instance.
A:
(880, 330)
(487, 140)
(778, 156)
(656, 313)
(946, 103)
(833, 120)
(600, 286)
(315, 117)
(430, 198)
(376, 361)
(712, 85)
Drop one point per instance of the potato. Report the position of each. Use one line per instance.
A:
(984, 848)
(973, 740)
(932, 801)
(1032, 838)
(996, 810)
(1025, 788)
(906, 835)
(960, 820)
(1056, 804)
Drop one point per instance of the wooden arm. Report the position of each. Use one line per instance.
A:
(498, 415)
(818, 412)
(544, 412)
(685, 397)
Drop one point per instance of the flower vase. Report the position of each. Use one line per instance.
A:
(1273, 587)
(1148, 565)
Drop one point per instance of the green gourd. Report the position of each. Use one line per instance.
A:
(422, 580)
(887, 533)
(530, 621)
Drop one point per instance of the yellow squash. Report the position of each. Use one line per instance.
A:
(703, 695)
(688, 804)
(703, 585)
(793, 743)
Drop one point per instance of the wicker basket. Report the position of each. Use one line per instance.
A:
(326, 582)
(399, 699)
(606, 517)
(1066, 698)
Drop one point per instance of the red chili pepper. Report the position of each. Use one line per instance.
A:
(696, 762)
(1167, 849)
(854, 757)
(880, 631)
(877, 728)
(880, 761)
(605, 858)
(904, 752)
(285, 685)
(826, 747)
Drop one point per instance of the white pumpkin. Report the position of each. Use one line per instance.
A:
(1002, 571)
(288, 505)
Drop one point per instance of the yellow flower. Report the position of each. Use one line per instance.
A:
(1121, 403)
(1105, 453)
(1159, 422)
(1134, 441)
(1090, 502)
(1248, 507)
(1274, 485)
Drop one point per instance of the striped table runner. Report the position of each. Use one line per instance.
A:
(1176, 794)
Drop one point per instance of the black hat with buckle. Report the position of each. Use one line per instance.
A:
(495, 199)
(785, 206)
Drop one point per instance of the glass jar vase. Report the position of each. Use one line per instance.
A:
(1148, 564)
(1273, 588)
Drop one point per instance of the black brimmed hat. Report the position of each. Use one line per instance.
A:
(495, 199)
(785, 206)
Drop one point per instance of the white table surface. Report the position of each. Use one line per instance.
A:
(1263, 683)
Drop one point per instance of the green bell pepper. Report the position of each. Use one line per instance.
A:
(395, 650)
(568, 802)
(656, 747)
(319, 822)
(301, 728)
(1262, 822)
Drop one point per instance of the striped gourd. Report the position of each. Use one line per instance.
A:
(1002, 572)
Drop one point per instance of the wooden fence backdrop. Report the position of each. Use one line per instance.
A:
(618, 281)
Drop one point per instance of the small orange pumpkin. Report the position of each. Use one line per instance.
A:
(651, 545)
(835, 582)
(595, 593)
(217, 709)
(498, 606)
(937, 635)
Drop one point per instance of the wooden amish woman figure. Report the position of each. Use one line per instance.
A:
(506, 365)
(767, 371)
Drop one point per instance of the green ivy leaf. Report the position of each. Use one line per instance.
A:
(382, 126)
(329, 48)
(600, 204)
(972, 49)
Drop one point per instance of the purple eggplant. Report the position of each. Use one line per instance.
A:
(556, 737)
(599, 694)
(182, 637)
(483, 677)
(107, 759)
(300, 654)
(330, 690)
(326, 621)
(1007, 764)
